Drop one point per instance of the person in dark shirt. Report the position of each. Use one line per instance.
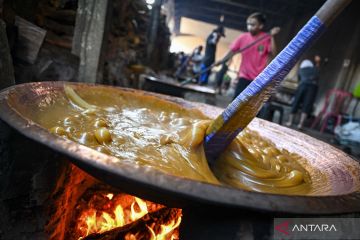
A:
(210, 51)
(307, 90)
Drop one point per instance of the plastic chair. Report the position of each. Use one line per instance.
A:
(336, 102)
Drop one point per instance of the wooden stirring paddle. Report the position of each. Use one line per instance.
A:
(248, 103)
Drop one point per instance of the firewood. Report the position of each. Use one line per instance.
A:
(138, 227)
(58, 27)
(61, 15)
(54, 39)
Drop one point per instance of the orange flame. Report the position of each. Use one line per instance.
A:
(99, 221)
(110, 196)
(143, 209)
(165, 230)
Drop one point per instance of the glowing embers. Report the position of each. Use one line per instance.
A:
(121, 216)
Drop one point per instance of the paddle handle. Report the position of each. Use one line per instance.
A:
(330, 10)
(247, 104)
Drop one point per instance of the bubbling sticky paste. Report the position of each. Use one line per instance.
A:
(150, 132)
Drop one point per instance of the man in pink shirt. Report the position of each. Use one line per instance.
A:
(255, 58)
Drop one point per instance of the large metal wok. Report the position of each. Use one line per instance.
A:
(339, 194)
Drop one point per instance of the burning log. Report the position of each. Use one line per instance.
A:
(143, 228)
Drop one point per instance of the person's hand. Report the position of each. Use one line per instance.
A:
(317, 59)
(220, 62)
(274, 31)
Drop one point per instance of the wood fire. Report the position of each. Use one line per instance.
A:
(114, 216)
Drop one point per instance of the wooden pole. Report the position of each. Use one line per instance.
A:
(90, 37)
(153, 30)
(7, 78)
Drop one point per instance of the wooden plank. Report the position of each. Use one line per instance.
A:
(30, 39)
(6, 66)
(90, 35)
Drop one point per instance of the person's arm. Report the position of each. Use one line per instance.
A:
(234, 47)
(273, 32)
(227, 57)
